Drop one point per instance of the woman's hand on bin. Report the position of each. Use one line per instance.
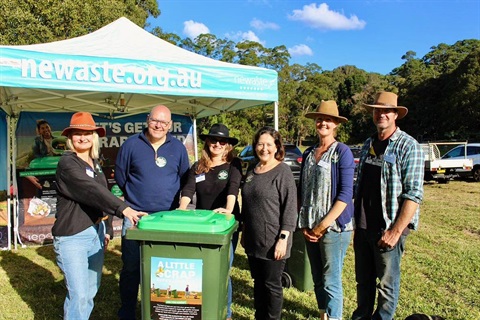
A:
(133, 215)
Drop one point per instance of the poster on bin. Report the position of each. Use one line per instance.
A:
(176, 288)
(36, 163)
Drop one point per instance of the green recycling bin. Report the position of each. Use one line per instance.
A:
(297, 269)
(184, 263)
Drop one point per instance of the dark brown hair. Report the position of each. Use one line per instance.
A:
(280, 154)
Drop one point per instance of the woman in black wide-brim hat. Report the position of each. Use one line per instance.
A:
(215, 179)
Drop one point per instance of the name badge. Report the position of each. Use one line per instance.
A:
(323, 164)
(90, 172)
(200, 177)
(390, 158)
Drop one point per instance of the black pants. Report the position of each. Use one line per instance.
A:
(267, 287)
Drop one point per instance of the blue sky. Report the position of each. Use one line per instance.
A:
(372, 35)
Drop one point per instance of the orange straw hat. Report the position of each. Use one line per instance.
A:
(327, 108)
(387, 100)
(83, 121)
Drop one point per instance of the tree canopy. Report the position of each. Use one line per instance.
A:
(441, 89)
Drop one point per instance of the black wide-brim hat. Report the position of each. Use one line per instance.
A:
(220, 130)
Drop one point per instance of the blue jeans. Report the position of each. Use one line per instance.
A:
(372, 262)
(129, 275)
(326, 259)
(80, 257)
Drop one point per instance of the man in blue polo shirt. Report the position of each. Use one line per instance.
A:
(150, 170)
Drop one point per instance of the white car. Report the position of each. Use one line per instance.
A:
(473, 152)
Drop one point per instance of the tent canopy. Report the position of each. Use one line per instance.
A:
(121, 68)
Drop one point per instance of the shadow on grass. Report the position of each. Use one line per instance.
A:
(33, 284)
(107, 300)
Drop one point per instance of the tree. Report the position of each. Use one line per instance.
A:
(38, 21)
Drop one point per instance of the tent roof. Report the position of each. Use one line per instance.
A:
(121, 68)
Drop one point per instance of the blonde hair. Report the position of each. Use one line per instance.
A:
(205, 162)
(94, 150)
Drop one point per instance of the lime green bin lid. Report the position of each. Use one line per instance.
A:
(197, 221)
(44, 163)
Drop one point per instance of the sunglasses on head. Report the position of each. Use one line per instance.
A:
(219, 140)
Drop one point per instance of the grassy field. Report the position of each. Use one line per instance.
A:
(441, 270)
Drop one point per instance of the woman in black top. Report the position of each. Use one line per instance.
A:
(215, 179)
(83, 200)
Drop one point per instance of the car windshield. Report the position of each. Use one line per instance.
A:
(290, 148)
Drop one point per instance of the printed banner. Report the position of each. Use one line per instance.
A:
(38, 153)
(176, 288)
(30, 69)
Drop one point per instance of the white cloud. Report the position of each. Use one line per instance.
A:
(300, 50)
(193, 29)
(260, 25)
(245, 35)
(323, 18)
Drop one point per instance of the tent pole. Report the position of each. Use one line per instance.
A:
(10, 190)
(275, 114)
(195, 138)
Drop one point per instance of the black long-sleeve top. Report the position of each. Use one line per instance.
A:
(213, 187)
(82, 196)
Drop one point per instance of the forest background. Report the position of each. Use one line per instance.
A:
(440, 89)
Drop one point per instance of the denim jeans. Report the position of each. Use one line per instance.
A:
(129, 275)
(267, 287)
(326, 259)
(372, 263)
(80, 257)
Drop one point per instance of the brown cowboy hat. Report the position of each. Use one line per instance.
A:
(220, 130)
(327, 108)
(387, 100)
(83, 121)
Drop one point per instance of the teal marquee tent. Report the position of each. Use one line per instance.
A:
(122, 70)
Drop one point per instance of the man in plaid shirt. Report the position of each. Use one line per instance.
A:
(388, 191)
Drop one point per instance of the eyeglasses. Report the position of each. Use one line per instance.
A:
(219, 140)
(160, 123)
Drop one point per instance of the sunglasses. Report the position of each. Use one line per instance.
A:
(219, 140)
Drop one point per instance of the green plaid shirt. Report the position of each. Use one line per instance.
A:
(401, 176)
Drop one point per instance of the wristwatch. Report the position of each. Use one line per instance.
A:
(283, 236)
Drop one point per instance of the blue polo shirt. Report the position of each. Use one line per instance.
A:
(151, 182)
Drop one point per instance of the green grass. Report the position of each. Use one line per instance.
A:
(441, 270)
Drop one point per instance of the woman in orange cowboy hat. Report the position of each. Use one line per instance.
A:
(83, 202)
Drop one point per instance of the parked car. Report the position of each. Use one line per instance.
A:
(473, 152)
(356, 150)
(293, 158)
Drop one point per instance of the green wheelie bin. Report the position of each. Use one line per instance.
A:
(184, 263)
(297, 269)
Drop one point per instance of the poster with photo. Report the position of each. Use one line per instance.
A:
(40, 146)
(176, 288)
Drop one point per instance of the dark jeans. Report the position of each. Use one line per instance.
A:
(129, 278)
(372, 262)
(267, 287)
